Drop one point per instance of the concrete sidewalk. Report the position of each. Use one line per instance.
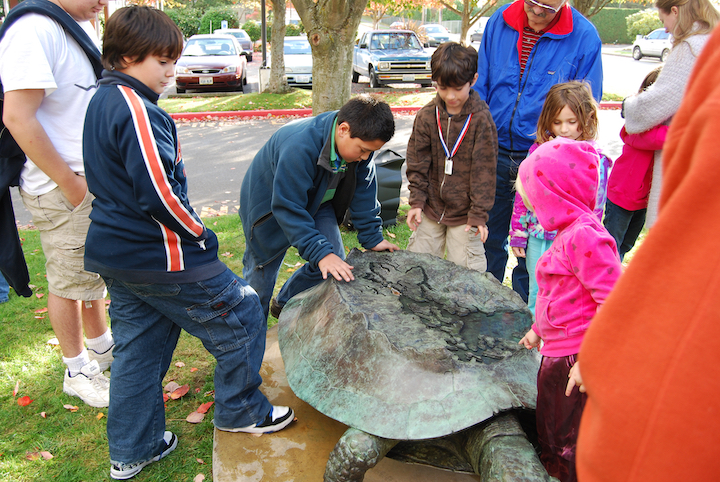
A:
(299, 452)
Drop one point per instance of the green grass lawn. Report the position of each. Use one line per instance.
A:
(76, 439)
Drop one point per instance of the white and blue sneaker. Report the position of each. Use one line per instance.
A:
(123, 471)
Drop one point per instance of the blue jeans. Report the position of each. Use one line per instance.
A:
(4, 289)
(224, 313)
(263, 278)
(496, 246)
(623, 225)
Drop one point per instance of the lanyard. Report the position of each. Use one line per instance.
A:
(450, 154)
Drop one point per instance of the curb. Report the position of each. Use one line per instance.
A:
(271, 113)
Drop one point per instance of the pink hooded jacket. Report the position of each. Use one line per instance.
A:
(578, 271)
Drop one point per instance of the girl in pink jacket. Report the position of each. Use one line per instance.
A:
(559, 182)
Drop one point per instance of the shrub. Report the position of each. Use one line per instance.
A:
(212, 20)
(187, 19)
(643, 22)
(293, 30)
(611, 25)
(253, 29)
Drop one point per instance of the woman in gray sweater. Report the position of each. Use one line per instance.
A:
(690, 22)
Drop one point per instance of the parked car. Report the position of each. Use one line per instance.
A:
(657, 43)
(298, 61)
(391, 57)
(476, 35)
(435, 33)
(398, 25)
(211, 62)
(243, 39)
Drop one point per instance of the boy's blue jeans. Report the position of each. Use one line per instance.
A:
(496, 246)
(224, 313)
(623, 225)
(263, 279)
(4, 289)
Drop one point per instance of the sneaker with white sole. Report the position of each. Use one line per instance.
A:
(104, 359)
(123, 471)
(277, 419)
(90, 385)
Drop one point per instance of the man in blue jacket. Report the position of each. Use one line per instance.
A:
(528, 46)
(297, 191)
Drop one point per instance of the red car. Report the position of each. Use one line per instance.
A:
(211, 62)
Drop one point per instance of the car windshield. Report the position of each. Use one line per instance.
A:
(435, 29)
(394, 41)
(202, 47)
(297, 47)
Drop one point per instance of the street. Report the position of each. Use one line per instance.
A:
(218, 153)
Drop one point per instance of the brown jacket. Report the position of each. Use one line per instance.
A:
(466, 196)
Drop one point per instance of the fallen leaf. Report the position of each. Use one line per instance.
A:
(72, 408)
(180, 392)
(200, 461)
(46, 455)
(41, 310)
(99, 415)
(39, 295)
(39, 317)
(171, 386)
(197, 390)
(32, 455)
(17, 388)
(24, 401)
(392, 235)
(179, 364)
(166, 397)
(43, 414)
(227, 254)
(53, 342)
(193, 370)
(205, 407)
(195, 417)
(199, 478)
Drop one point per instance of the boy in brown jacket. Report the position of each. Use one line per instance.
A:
(451, 162)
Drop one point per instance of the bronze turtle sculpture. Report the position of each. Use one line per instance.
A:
(415, 349)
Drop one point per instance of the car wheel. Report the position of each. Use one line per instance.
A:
(244, 79)
(374, 82)
(355, 77)
(664, 55)
(637, 54)
(249, 57)
(425, 84)
(179, 90)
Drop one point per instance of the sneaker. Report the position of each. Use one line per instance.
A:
(276, 420)
(104, 359)
(275, 308)
(123, 471)
(90, 385)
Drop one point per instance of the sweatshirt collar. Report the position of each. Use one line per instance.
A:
(516, 18)
(113, 77)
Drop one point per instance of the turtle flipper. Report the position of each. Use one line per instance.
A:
(355, 453)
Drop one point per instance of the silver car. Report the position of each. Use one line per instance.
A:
(657, 43)
(298, 61)
(243, 39)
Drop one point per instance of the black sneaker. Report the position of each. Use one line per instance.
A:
(123, 471)
(275, 308)
(277, 419)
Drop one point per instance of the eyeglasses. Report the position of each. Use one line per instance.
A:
(534, 3)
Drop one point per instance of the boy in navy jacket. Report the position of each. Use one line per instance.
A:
(156, 256)
(297, 191)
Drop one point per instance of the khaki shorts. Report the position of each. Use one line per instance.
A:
(63, 230)
(464, 249)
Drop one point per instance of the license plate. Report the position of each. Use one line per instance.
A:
(206, 80)
(408, 77)
(303, 79)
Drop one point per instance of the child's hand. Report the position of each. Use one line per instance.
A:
(414, 218)
(386, 245)
(574, 379)
(518, 252)
(334, 265)
(482, 231)
(530, 340)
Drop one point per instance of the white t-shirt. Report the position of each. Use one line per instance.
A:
(37, 53)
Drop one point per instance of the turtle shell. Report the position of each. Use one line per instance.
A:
(415, 347)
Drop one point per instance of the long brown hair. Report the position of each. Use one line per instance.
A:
(576, 95)
(690, 12)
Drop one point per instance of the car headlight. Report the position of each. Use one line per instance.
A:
(229, 68)
(383, 65)
(427, 65)
(288, 70)
(181, 70)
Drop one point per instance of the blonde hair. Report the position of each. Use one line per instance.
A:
(523, 194)
(576, 95)
(690, 12)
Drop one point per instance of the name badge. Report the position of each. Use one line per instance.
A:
(448, 166)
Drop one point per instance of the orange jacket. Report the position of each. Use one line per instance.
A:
(650, 360)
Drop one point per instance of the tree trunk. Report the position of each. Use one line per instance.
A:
(278, 84)
(331, 26)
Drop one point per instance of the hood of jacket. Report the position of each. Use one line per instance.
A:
(560, 179)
